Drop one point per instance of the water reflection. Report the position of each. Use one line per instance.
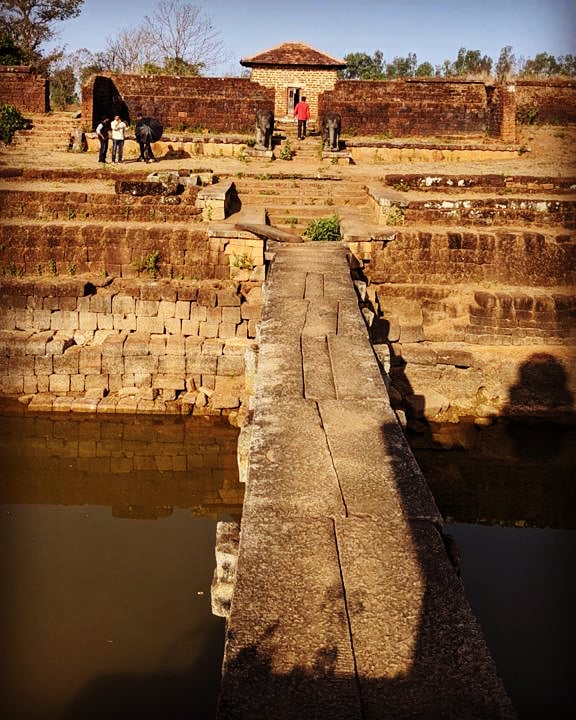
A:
(512, 516)
(107, 531)
(478, 474)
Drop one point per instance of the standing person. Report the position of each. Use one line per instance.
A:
(144, 138)
(302, 114)
(103, 135)
(118, 127)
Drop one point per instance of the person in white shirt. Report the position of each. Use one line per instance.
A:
(118, 127)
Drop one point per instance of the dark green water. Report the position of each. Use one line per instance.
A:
(107, 530)
(508, 494)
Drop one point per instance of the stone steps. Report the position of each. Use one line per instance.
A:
(48, 132)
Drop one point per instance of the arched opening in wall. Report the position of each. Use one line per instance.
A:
(107, 101)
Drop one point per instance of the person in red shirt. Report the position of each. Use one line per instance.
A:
(302, 114)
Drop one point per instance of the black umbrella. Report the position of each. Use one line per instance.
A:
(156, 128)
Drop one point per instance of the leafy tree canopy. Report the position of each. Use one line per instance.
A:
(468, 63)
(10, 53)
(31, 23)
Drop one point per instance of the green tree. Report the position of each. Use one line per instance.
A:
(425, 69)
(469, 62)
(10, 53)
(31, 23)
(542, 64)
(361, 66)
(401, 67)
(63, 87)
(568, 65)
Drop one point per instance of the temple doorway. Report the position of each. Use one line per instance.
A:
(292, 99)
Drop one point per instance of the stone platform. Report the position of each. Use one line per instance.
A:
(346, 602)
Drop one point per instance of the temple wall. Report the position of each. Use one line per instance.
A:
(22, 87)
(194, 103)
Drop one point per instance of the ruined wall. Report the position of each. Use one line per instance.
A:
(127, 346)
(546, 101)
(22, 87)
(216, 104)
(418, 107)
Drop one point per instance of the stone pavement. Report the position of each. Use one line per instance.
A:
(346, 603)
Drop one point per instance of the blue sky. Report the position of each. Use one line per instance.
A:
(433, 29)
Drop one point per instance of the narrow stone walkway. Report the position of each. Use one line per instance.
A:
(346, 604)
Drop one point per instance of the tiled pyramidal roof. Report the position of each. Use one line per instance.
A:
(293, 53)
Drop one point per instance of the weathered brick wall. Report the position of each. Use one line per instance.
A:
(546, 101)
(53, 248)
(312, 84)
(22, 87)
(127, 346)
(537, 259)
(216, 104)
(414, 107)
(423, 277)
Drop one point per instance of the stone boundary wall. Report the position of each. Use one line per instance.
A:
(151, 347)
(513, 257)
(422, 107)
(214, 104)
(546, 101)
(22, 87)
(72, 247)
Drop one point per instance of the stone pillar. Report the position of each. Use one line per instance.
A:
(508, 117)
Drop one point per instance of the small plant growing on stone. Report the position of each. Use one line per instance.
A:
(292, 220)
(286, 151)
(52, 267)
(324, 229)
(149, 263)
(71, 213)
(72, 269)
(242, 261)
(395, 216)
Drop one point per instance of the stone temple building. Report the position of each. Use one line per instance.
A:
(294, 70)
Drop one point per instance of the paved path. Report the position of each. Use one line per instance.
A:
(346, 604)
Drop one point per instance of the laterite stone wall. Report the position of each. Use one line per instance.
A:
(546, 101)
(215, 104)
(25, 89)
(421, 107)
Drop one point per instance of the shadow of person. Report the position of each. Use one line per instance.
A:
(540, 407)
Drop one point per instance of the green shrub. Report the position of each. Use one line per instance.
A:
(324, 229)
(10, 121)
(150, 264)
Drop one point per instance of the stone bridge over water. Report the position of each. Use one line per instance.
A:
(347, 604)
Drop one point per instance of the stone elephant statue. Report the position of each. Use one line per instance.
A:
(264, 128)
(331, 126)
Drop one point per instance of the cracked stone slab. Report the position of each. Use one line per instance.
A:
(419, 650)
(376, 469)
(291, 471)
(288, 652)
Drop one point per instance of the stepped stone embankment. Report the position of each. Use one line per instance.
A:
(478, 260)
